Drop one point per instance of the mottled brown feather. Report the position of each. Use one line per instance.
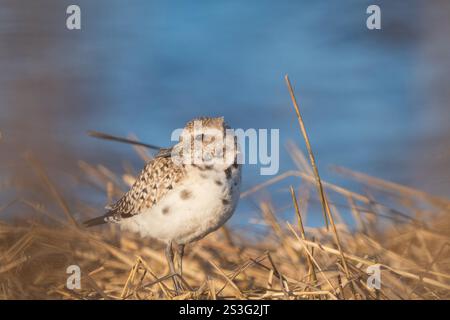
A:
(158, 177)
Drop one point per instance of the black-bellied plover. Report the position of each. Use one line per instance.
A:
(185, 192)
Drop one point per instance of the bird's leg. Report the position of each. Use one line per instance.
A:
(169, 257)
(180, 259)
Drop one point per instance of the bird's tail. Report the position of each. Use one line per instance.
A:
(94, 222)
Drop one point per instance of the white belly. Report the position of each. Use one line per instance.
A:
(200, 204)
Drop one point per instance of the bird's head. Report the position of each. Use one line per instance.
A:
(208, 141)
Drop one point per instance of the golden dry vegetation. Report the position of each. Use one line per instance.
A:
(292, 261)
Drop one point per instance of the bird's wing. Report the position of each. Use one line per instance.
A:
(158, 177)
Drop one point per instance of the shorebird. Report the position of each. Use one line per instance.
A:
(185, 192)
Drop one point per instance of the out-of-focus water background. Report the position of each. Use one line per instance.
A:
(373, 101)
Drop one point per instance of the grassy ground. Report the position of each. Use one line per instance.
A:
(408, 242)
(289, 263)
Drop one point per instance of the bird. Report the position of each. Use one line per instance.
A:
(185, 192)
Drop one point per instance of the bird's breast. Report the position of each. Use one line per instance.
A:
(199, 204)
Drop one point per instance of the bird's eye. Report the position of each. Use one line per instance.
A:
(199, 137)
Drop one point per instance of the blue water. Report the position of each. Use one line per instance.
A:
(372, 101)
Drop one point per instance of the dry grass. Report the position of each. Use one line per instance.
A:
(291, 262)
(409, 241)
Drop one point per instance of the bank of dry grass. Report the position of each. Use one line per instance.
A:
(408, 241)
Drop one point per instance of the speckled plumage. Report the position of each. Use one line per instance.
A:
(158, 177)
